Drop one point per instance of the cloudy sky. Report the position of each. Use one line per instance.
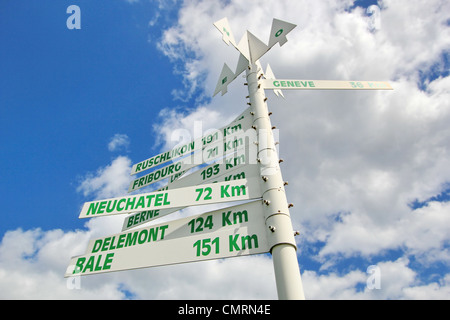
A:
(368, 172)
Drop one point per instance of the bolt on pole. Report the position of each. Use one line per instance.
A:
(279, 229)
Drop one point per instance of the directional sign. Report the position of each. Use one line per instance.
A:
(225, 78)
(228, 171)
(324, 84)
(224, 27)
(212, 152)
(228, 232)
(242, 189)
(279, 31)
(185, 149)
(173, 169)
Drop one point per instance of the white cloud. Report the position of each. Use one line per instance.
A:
(332, 286)
(422, 232)
(354, 160)
(33, 263)
(118, 141)
(108, 182)
(396, 280)
(178, 127)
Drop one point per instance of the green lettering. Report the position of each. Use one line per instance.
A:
(130, 203)
(93, 208)
(119, 208)
(226, 219)
(79, 265)
(112, 247)
(90, 264)
(247, 241)
(131, 239)
(149, 202)
(140, 203)
(108, 208)
(166, 202)
(106, 244)
(224, 191)
(236, 190)
(102, 207)
(97, 265)
(97, 245)
(108, 261)
(130, 222)
(145, 233)
(153, 235)
(163, 230)
(158, 199)
(120, 241)
(241, 216)
(233, 242)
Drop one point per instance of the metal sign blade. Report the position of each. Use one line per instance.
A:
(228, 232)
(241, 124)
(279, 31)
(224, 28)
(242, 189)
(213, 173)
(324, 85)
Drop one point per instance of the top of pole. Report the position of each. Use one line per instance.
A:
(251, 48)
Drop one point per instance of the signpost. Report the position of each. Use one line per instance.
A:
(280, 235)
(255, 227)
(229, 232)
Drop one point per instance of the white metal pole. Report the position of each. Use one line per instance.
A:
(278, 222)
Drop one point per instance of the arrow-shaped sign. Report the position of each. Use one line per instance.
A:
(242, 189)
(323, 85)
(251, 48)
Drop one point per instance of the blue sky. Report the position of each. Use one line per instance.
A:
(368, 171)
(61, 88)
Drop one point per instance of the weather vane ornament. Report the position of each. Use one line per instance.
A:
(251, 49)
